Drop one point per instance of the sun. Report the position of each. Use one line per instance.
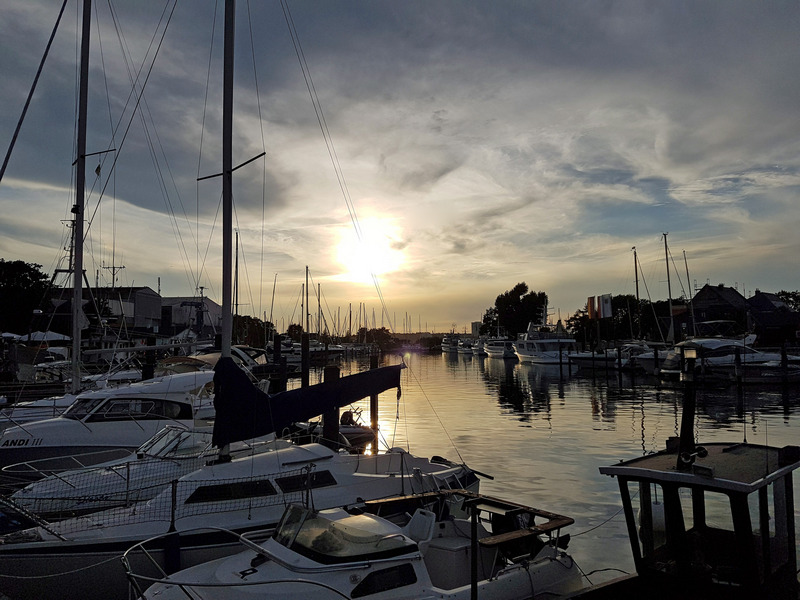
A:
(378, 252)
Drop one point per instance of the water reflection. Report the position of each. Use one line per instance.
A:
(651, 412)
(543, 432)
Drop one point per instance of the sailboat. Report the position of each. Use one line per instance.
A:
(80, 557)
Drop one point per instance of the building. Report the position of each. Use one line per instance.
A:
(198, 314)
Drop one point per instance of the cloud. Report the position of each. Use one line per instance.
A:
(507, 141)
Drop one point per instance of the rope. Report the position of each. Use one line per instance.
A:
(49, 575)
(438, 418)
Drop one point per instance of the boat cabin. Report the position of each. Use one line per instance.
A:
(716, 523)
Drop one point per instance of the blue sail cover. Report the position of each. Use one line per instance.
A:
(243, 411)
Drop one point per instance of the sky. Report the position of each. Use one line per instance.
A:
(470, 146)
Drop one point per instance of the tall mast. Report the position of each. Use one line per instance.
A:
(308, 314)
(227, 177)
(671, 333)
(638, 304)
(80, 190)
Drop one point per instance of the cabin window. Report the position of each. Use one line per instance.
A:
(138, 408)
(83, 406)
(237, 490)
(299, 483)
(384, 580)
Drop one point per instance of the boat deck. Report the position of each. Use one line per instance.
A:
(728, 466)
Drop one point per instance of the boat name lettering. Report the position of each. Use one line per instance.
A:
(22, 442)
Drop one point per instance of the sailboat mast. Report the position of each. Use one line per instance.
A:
(227, 177)
(307, 312)
(638, 304)
(80, 190)
(671, 334)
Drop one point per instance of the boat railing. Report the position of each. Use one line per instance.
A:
(191, 498)
(155, 562)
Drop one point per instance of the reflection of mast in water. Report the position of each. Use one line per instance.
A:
(641, 410)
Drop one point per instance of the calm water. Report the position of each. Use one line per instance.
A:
(542, 434)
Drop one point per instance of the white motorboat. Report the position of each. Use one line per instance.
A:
(499, 348)
(545, 344)
(501, 550)
(111, 420)
(35, 410)
(171, 453)
(450, 344)
(719, 357)
(622, 358)
(464, 346)
(479, 347)
(48, 408)
(80, 556)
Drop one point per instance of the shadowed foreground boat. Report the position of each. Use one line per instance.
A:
(399, 548)
(711, 522)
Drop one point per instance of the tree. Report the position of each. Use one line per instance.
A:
(23, 287)
(295, 332)
(514, 309)
(792, 299)
(251, 331)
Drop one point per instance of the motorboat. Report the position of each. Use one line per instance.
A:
(104, 424)
(718, 358)
(35, 410)
(464, 346)
(449, 544)
(500, 348)
(450, 344)
(53, 406)
(545, 344)
(622, 358)
(171, 453)
(479, 347)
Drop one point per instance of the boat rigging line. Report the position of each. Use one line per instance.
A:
(30, 93)
(323, 124)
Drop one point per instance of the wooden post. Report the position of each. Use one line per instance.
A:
(330, 420)
(373, 408)
(305, 360)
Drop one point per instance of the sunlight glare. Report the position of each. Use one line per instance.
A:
(378, 253)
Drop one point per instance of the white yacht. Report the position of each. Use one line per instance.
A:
(545, 344)
(105, 421)
(464, 346)
(721, 358)
(499, 348)
(450, 344)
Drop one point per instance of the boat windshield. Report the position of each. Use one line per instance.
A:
(82, 407)
(172, 441)
(338, 537)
